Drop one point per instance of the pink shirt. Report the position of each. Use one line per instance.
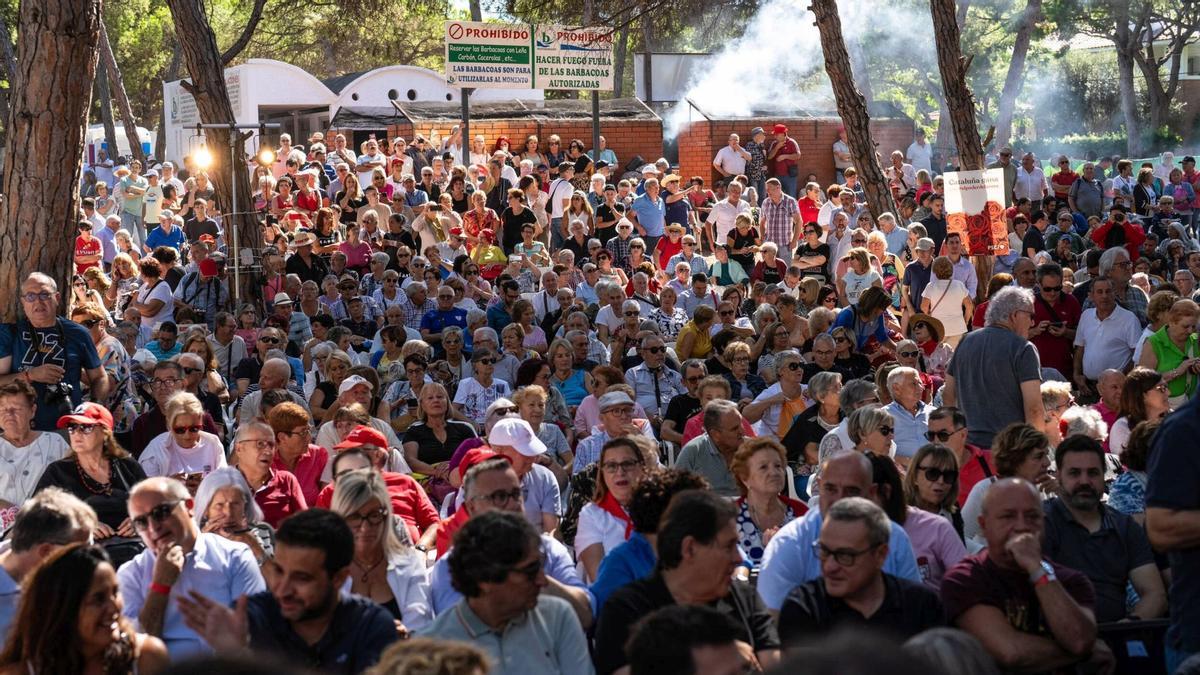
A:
(307, 470)
(935, 544)
(1108, 415)
(695, 427)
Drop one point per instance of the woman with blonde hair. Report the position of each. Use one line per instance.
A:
(213, 383)
(531, 405)
(1174, 352)
(185, 450)
(385, 566)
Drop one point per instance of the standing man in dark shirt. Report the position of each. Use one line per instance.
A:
(198, 223)
(853, 589)
(53, 354)
(935, 222)
(1035, 239)
(1173, 523)
(304, 617)
(607, 215)
(916, 277)
(1030, 614)
(697, 545)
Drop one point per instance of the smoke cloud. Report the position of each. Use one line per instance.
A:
(777, 64)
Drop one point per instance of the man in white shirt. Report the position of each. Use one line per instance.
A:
(724, 214)
(1107, 335)
(841, 155)
(544, 301)
(1031, 182)
(179, 559)
(731, 159)
(560, 192)
(920, 153)
(370, 160)
(900, 173)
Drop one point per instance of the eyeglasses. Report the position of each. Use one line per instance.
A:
(620, 467)
(486, 362)
(303, 431)
(44, 296)
(507, 410)
(1052, 289)
(910, 355)
(158, 514)
(1162, 386)
(689, 243)
(933, 475)
(193, 429)
(92, 323)
(269, 340)
(166, 382)
(259, 444)
(192, 371)
(794, 366)
(886, 430)
(841, 339)
(633, 313)
(858, 241)
(85, 429)
(654, 350)
(355, 520)
(843, 557)
(941, 436)
(501, 498)
(531, 570)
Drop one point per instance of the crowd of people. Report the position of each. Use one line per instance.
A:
(532, 415)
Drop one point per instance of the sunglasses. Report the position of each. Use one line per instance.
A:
(1052, 289)
(486, 362)
(886, 430)
(950, 476)
(941, 436)
(632, 313)
(193, 429)
(92, 323)
(85, 429)
(192, 371)
(269, 340)
(910, 355)
(654, 350)
(158, 514)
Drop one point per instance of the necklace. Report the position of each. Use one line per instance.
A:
(91, 484)
(761, 519)
(366, 571)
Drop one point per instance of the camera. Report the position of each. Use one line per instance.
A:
(57, 396)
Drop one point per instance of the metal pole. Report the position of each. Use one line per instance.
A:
(237, 263)
(596, 126)
(466, 127)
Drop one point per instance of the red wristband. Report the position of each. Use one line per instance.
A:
(1043, 580)
(161, 589)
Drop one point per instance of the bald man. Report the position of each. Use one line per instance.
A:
(275, 374)
(1029, 613)
(790, 560)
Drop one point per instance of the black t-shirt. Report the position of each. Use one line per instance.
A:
(173, 276)
(715, 367)
(248, 368)
(348, 217)
(314, 272)
(804, 430)
(635, 600)
(110, 508)
(432, 451)
(605, 213)
(1033, 240)
(511, 224)
(807, 251)
(681, 409)
(746, 260)
(908, 608)
(193, 228)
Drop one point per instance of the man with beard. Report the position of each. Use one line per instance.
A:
(1106, 545)
(303, 618)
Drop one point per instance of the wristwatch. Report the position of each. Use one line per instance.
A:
(1043, 576)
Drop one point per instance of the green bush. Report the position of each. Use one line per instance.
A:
(1112, 143)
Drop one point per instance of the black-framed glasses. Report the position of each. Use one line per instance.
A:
(633, 313)
(506, 410)
(911, 355)
(1052, 289)
(654, 350)
(941, 436)
(373, 518)
(158, 514)
(530, 570)
(933, 474)
(486, 362)
(842, 556)
(501, 498)
(164, 382)
(92, 323)
(268, 340)
(887, 430)
(726, 312)
(620, 467)
(794, 366)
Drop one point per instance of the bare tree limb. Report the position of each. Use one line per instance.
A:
(247, 33)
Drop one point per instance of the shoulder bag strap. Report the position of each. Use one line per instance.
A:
(945, 290)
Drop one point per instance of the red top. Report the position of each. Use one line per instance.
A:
(309, 202)
(308, 469)
(809, 210)
(90, 247)
(779, 167)
(1056, 352)
(409, 501)
(665, 249)
(1134, 236)
(1061, 182)
(972, 472)
(445, 533)
(280, 497)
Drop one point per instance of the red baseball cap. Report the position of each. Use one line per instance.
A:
(780, 129)
(88, 413)
(363, 435)
(209, 268)
(474, 456)
(208, 239)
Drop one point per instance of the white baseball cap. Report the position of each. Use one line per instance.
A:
(517, 434)
(352, 382)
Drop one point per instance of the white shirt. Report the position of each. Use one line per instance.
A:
(724, 215)
(164, 457)
(920, 156)
(475, 398)
(560, 189)
(160, 291)
(364, 177)
(610, 318)
(21, 468)
(597, 526)
(543, 303)
(769, 422)
(218, 568)
(408, 580)
(1030, 185)
(730, 161)
(1108, 343)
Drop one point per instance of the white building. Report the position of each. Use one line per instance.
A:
(265, 90)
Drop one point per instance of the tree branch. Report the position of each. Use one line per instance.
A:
(247, 33)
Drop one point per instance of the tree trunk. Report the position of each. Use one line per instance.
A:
(104, 98)
(954, 83)
(476, 10)
(1123, 41)
(1016, 72)
(51, 94)
(622, 50)
(117, 86)
(852, 108)
(207, 86)
(160, 137)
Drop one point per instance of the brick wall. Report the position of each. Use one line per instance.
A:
(700, 140)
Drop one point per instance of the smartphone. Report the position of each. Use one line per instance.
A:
(1058, 324)
(412, 402)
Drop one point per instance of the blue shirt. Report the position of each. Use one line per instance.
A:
(910, 428)
(559, 566)
(896, 239)
(161, 354)
(108, 243)
(847, 318)
(497, 317)
(10, 599)
(157, 237)
(650, 215)
(629, 561)
(790, 560)
(357, 634)
(435, 321)
(76, 355)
